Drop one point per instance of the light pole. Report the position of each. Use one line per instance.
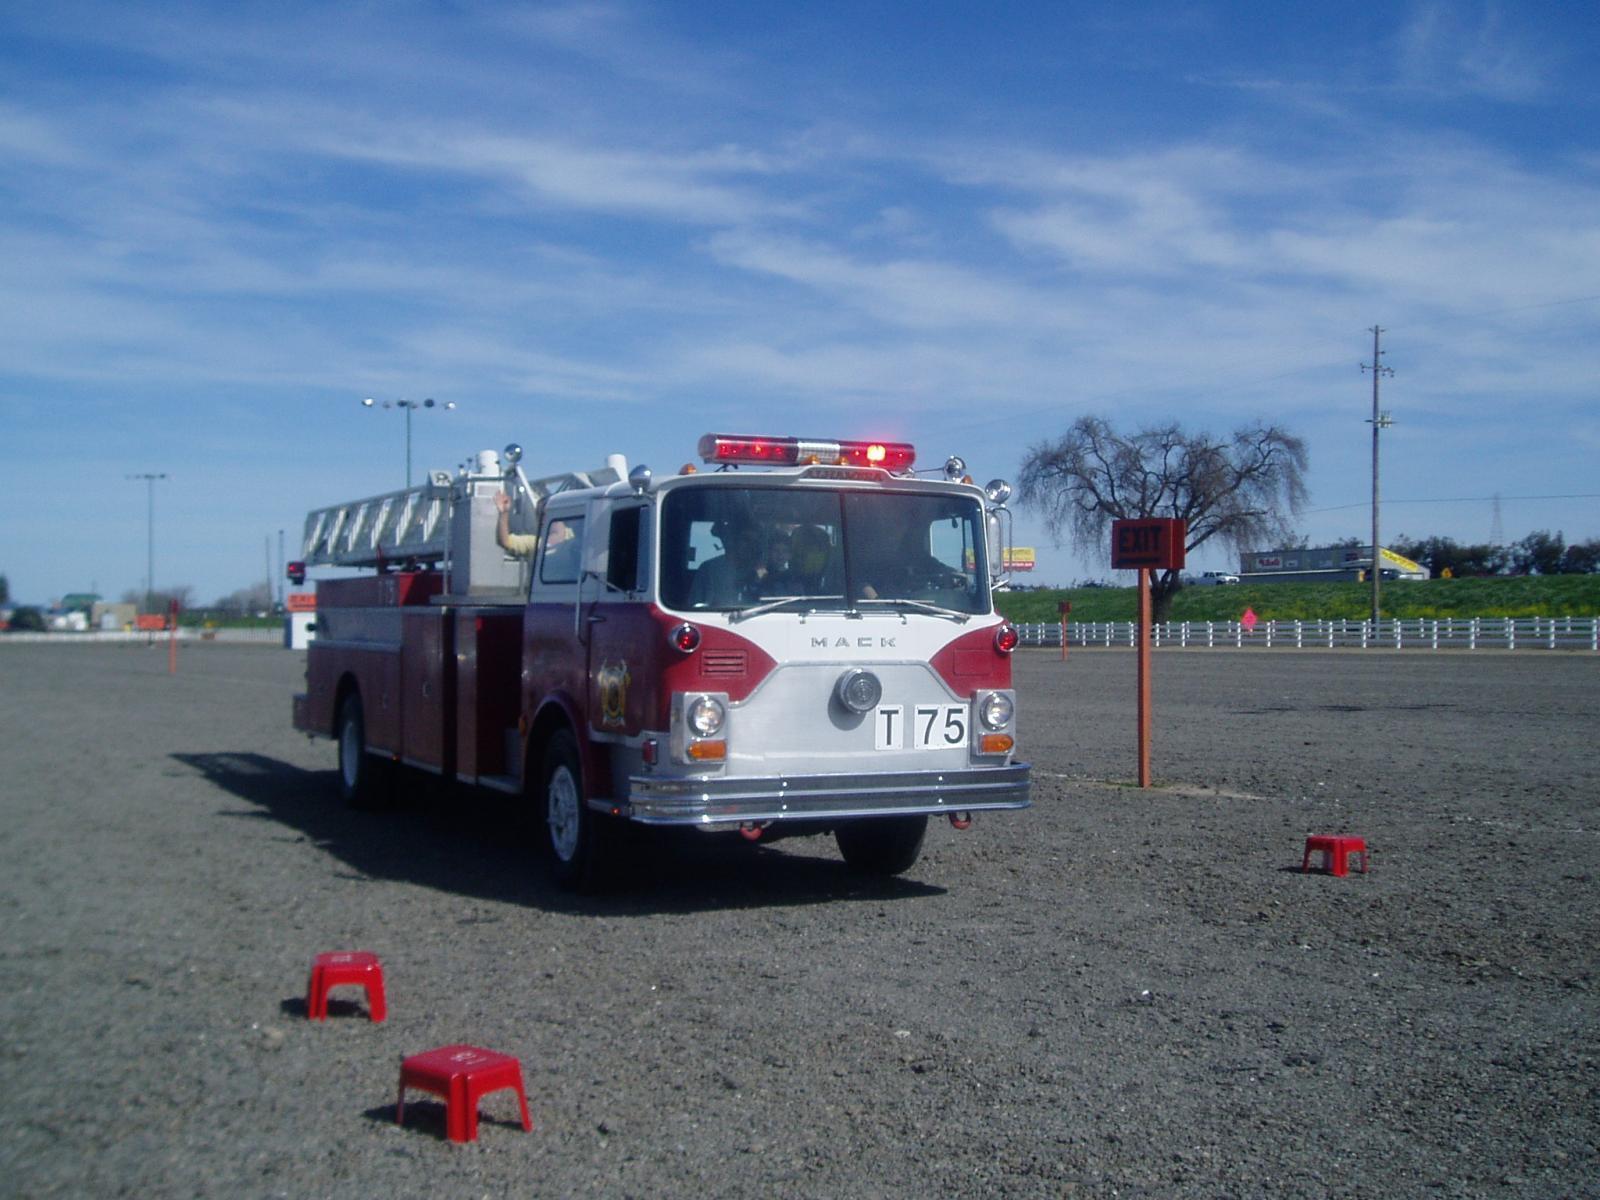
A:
(150, 543)
(409, 406)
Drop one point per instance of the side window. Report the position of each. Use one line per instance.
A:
(563, 550)
(622, 555)
(948, 542)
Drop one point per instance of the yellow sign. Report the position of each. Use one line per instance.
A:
(1400, 560)
(1018, 558)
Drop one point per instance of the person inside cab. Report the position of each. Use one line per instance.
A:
(732, 577)
(906, 570)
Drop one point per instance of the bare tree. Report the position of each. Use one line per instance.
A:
(1241, 492)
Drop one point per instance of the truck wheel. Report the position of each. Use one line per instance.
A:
(882, 845)
(569, 834)
(363, 778)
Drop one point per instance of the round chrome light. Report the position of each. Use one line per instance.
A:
(955, 467)
(995, 710)
(1006, 638)
(858, 690)
(684, 638)
(706, 716)
(998, 491)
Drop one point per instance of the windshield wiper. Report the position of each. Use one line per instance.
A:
(777, 602)
(961, 618)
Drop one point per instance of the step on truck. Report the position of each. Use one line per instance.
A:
(797, 637)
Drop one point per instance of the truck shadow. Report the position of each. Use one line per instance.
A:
(455, 839)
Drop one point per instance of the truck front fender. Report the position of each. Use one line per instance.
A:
(561, 711)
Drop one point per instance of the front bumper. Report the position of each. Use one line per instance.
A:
(655, 800)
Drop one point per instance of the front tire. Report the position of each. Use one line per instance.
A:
(364, 780)
(570, 835)
(882, 845)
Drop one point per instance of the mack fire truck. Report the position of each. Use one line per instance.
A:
(796, 638)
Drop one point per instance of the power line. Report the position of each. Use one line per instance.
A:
(1456, 500)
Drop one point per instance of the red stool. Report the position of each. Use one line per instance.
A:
(338, 968)
(462, 1075)
(1336, 853)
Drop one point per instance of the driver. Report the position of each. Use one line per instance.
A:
(726, 580)
(908, 571)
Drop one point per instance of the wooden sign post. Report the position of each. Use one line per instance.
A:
(1145, 545)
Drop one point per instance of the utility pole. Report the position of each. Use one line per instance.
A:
(1379, 421)
(150, 546)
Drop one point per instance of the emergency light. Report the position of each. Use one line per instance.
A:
(794, 452)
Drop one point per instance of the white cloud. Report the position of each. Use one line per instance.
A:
(904, 292)
(1451, 49)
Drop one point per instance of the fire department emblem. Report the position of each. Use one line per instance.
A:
(613, 679)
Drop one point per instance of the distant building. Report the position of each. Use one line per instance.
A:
(1330, 564)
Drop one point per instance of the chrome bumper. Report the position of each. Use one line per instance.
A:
(654, 800)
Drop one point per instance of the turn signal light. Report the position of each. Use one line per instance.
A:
(708, 751)
(684, 638)
(1006, 638)
(996, 743)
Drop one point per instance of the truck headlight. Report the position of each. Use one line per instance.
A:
(705, 715)
(996, 710)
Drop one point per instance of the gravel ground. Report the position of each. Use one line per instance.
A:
(1118, 992)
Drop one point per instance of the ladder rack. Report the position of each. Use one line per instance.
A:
(414, 525)
(409, 525)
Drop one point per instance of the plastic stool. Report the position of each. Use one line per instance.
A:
(338, 968)
(1336, 853)
(462, 1075)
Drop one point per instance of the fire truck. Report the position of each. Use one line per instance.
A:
(795, 637)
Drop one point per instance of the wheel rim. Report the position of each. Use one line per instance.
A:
(350, 754)
(561, 813)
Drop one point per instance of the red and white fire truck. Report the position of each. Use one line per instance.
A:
(798, 638)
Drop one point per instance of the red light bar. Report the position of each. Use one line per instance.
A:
(788, 452)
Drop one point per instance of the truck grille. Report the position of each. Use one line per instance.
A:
(723, 663)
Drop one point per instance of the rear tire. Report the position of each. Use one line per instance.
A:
(571, 837)
(364, 779)
(882, 845)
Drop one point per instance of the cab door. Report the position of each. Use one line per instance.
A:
(617, 623)
(554, 656)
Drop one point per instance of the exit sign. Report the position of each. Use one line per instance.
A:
(1148, 543)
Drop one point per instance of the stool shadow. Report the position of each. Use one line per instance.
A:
(295, 1006)
(454, 839)
(428, 1117)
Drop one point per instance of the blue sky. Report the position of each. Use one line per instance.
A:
(616, 226)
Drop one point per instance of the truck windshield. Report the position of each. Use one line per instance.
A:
(729, 548)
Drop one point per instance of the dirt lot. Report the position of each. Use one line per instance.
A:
(1115, 993)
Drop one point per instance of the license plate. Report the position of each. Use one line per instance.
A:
(920, 727)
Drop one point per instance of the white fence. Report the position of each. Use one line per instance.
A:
(1423, 633)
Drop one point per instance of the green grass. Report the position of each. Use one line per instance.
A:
(1512, 596)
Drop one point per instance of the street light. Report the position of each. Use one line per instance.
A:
(409, 406)
(150, 544)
